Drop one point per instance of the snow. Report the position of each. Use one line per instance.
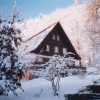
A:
(41, 89)
(91, 69)
(36, 40)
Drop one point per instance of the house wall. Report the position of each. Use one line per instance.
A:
(63, 43)
(52, 43)
(29, 76)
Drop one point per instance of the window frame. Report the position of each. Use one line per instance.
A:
(58, 39)
(48, 50)
(55, 49)
(65, 49)
(53, 36)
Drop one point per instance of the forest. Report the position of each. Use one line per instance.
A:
(79, 21)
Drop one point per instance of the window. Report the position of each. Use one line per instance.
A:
(56, 49)
(53, 36)
(64, 50)
(47, 47)
(58, 38)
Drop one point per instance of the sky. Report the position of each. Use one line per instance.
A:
(32, 8)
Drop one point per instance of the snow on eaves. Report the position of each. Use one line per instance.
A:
(33, 42)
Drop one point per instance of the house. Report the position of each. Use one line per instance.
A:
(50, 41)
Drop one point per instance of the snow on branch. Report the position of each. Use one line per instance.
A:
(11, 67)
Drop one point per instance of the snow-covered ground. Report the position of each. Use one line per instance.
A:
(41, 89)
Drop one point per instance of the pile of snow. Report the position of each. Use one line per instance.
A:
(41, 89)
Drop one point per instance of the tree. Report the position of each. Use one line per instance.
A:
(10, 65)
(90, 12)
(91, 8)
(55, 67)
(91, 22)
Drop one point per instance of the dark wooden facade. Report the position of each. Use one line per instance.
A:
(64, 42)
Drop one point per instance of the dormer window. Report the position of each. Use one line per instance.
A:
(58, 38)
(56, 50)
(53, 36)
(64, 50)
(47, 47)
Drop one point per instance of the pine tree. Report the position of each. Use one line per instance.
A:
(10, 67)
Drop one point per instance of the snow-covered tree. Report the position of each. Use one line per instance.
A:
(10, 65)
(55, 67)
(90, 8)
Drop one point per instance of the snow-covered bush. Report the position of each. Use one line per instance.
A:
(28, 58)
(10, 65)
(96, 63)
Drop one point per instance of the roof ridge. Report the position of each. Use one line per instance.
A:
(41, 31)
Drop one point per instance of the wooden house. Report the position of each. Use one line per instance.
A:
(50, 41)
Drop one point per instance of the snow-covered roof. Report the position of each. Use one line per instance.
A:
(33, 42)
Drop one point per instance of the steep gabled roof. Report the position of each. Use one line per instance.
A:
(34, 41)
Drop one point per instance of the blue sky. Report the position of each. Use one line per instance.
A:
(34, 7)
